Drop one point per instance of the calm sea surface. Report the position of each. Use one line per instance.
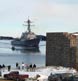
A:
(10, 57)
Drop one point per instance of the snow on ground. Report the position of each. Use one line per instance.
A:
(45, 71)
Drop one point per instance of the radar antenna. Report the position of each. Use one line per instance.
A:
(28, 25)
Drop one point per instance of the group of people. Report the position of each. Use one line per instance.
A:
(28, 67)
(2, 67)
(32, 67)
(23, 66)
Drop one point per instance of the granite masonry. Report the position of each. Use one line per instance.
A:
(61, 49)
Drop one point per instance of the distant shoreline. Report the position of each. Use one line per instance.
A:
(6, 38)
(41, 37)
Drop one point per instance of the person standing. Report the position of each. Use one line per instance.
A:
(27, 67)
(3, 67)
(22, 65)
(9, 67)
(34, 67)
(0, 73)
(17, 65)
(30, 67)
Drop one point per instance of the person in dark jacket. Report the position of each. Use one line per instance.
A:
(30, 66)
(34, 67)
(0, 70)
(9, 68)
(3, 67)
(17, 65)
(0, 67)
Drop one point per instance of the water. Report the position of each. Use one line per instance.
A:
(10, 57)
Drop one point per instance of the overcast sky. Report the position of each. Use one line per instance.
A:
(46, 15)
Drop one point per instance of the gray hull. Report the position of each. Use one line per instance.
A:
(26, 43)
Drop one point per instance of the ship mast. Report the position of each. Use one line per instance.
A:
(28, 24)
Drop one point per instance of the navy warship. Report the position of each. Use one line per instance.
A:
(28, 38)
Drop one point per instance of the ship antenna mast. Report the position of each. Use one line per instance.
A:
(28, 24)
